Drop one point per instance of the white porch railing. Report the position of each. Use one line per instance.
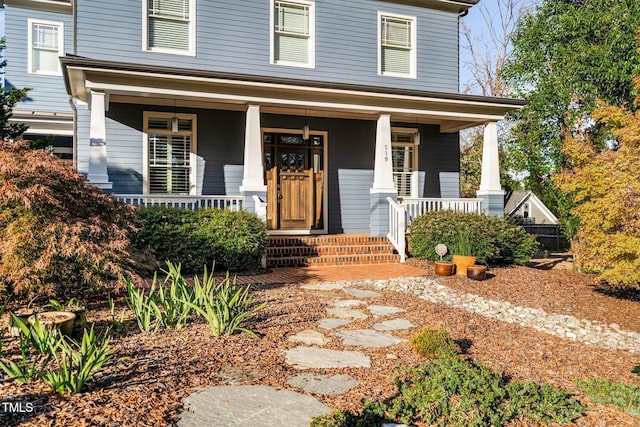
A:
(397, 227)
(402, 213)
(417, 207)
(233, 203)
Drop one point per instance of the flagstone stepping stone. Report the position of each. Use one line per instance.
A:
(383, 310)
(368, 338)
(348, 303)
(257, 405)
(309, 337)
(324, 286)
(346, 313)
(314, 357)
(237, 375)
(393, 325)
(333, 323)
(361, 293)
(323, 384)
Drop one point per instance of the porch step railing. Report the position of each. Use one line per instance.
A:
(233, 203)
(403, 212)
(397, 227)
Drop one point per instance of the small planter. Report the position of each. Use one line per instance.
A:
(462, 262)
(80, 322)
(477, 272)
(49, 319)
(22, 317)
(444, 268)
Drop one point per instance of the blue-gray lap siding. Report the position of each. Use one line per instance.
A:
(233, 36)
(220, 141)
(47, 92)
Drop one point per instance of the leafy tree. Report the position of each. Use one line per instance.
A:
(8, 99)
(567, 53)
(605, 185)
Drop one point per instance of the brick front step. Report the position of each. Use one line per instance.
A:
(347, 249)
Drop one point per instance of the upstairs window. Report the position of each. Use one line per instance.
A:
(170, 26)
(397, 46)
(46, 45)
(171, 151)
(293, 33)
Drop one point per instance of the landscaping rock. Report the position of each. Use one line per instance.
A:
(348, 303)
(323, 384)
(383, 310)
(368, 338)
(259, 406)
(393, 325)
(314, 357)
(361, 293)
(346, 313)
(237, 375)
(332, 323)
(309, 337)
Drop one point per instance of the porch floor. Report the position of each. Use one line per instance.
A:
(331, 274)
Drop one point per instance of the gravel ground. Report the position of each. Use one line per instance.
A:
(152, 373)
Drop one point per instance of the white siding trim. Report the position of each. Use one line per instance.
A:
(414, 45)
(60, 26)
(312, 34)
(192, 32)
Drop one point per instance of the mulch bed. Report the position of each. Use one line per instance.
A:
(152, 373)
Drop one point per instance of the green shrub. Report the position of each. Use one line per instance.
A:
(433, 342)
(624, 396)
(233, 241)
(636, 369)
(494, 239)
(449, 391)
(57, 229)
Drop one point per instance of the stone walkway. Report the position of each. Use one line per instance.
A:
(351, 300)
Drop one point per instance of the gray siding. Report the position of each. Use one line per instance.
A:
(234, 37)
(47, 92)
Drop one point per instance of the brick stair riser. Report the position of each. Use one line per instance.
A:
(328, 250)
(326, 241)
(332, 261)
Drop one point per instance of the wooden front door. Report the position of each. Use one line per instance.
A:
(294, 183)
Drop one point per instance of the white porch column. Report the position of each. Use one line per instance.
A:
(383, 166)
(490, 189)
(253, 175)
(383, 186)
(97, 172)
(253, 186)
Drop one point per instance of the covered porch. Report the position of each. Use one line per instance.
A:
(315, 157)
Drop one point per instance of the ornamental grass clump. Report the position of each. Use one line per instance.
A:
(432, 343)
(57, 229)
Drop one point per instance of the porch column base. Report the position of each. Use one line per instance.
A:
(248, 204)
(492, 201)
(379, 213)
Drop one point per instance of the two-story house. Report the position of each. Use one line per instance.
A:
(318, 114)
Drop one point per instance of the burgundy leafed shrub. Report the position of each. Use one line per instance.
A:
(56, 229)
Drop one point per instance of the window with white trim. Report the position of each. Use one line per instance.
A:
(169, 26)
(46, 45)
(397, 45)
(170, 153)
(292, 35)
(404, 156)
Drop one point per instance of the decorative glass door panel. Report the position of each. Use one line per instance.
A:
(293, 168)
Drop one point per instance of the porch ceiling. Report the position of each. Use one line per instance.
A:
(135, 83)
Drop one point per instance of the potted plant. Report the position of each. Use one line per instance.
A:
(49, 319)
(20, 316)
(72, 306)
(443, 268)
(477, 272)
(463, 253)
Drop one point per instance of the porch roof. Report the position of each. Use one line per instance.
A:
(183, 87)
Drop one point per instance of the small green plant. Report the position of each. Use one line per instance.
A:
(117, 322)
(226, 308)
(463, 244)
(636, 370)
(30, 365)
(71, 305)
(76, 362)
(624, 396)
(450, 391)
(432, 343)
(144, 307)
(172, 298)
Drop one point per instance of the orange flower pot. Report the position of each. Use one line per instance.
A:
(462, 262)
